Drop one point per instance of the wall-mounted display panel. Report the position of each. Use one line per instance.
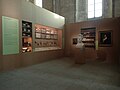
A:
(26, 36)
(10, 35)
(89, 35)
(47, 38)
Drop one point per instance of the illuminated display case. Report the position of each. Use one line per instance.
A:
(89, 35)
(47, 38)
(26, 36)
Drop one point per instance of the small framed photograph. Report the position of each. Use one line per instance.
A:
(75, 41)
(105, 38)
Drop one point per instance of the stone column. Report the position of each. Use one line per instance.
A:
(107, 9)
(81, 10)
(117, 8)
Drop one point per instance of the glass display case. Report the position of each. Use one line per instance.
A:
(47, 37)
(89, 35)
(26, 36)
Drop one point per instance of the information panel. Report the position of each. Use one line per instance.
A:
(10, 35)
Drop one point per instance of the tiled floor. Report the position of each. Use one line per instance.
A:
(62, 74)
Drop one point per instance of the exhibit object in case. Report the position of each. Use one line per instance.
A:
(26, 36)
(47, 38)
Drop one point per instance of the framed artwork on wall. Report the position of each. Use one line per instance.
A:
(105, 38)
(75, 41)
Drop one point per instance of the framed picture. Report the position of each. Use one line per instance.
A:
(75, 41)
(105, 38)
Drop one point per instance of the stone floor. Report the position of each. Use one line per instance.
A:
(62, 74)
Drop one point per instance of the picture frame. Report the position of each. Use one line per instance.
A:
(105, 38)
(75, 41)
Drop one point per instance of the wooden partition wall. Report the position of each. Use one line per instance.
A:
(24, 10)
(109, 53)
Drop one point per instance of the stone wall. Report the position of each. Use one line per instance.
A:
(107, 9)
(117, 8)
(65, 8)
(81, 10)
(48, 4)
(32, 1)
(76, 10)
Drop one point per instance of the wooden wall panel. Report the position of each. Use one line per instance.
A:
(111, 53)
(14, 9)
(38, 57)
(11, 8)
(11, 62)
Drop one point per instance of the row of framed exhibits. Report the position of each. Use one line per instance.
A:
(45, 36)
(105, 38)
(26, 36)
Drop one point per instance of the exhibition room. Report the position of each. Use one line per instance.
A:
(59, 45)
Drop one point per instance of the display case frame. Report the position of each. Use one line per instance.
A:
(89, 36)
(26, 36)
(47, 37)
